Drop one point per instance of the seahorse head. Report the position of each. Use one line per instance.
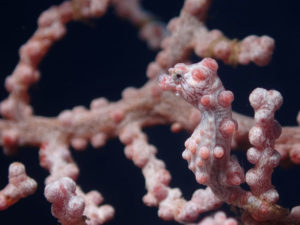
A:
(192, 81)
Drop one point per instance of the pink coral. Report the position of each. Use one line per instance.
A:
(19, 186)
(204, 109)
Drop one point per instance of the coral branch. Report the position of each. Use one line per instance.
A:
(51, 28)
(262, 136)
(189, 34)
(151, 30)
(72, 207)
(19, 186)
(218, 219)
(56, 158)
(67, 206)
(172, 206)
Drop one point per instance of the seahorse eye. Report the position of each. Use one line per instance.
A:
(177, 76)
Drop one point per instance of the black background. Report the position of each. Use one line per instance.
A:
(102, 57)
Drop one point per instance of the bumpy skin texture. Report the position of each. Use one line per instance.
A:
(208, 149)
(19, 186)
(72, 207)
(262, 136)
(67, 206)
(218, 219)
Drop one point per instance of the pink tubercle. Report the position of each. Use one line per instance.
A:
(210, 63)
(204, 152)
(225, 98)
(201, 178)
(206, 100)
(227, 127)
(117, 116)
(198, 75)
(219, 152)
(10, 138)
